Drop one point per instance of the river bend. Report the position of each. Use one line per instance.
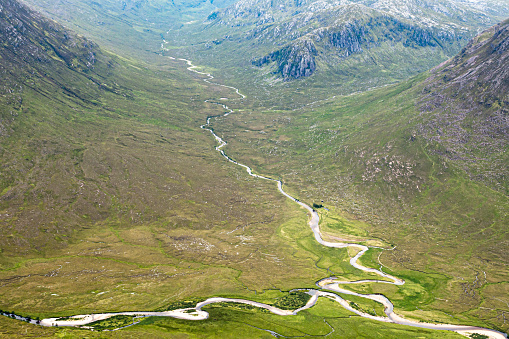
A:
(325, 286)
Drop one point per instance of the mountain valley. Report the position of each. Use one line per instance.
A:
(389, 118)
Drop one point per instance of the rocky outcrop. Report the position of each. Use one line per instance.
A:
(298, 59)
(353, 36)
(294, 61)
(349, 37)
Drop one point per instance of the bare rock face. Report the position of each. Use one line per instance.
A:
(349, 38)
(294, 61)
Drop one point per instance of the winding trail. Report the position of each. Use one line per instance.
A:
(328, 284)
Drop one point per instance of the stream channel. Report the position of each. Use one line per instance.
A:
(331, 284)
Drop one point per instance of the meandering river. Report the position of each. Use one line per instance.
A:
(325, 287)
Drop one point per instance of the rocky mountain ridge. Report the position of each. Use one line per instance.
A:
(340, 28)
(444, 13)
(352, 34)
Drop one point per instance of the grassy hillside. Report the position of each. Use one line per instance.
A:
(112, 198)
(422, 164)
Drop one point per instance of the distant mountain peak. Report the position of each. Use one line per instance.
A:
(297, 38)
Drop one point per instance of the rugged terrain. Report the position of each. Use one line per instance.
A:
(424, 162)
(112, 198)
(345, 46)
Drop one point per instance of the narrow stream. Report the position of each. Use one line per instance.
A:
(328, 284)
(332, 284)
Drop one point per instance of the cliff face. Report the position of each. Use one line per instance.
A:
(302, 36)
(298, 59)
(465, 106)
(294, 61)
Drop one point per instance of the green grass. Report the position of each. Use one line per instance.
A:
(230, 322)
(112, 323)
(115, 200)
(292, 301)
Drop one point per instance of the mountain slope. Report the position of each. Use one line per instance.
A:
(33, 53)
(423, 163)
(346, 45)
(466, 113)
